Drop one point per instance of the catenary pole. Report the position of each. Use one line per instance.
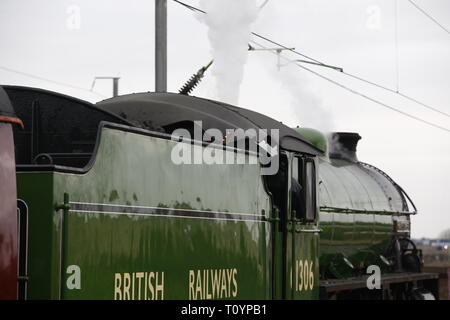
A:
(160, 45)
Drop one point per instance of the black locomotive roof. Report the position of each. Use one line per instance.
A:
(163, 111)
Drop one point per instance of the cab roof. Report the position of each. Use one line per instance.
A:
(164, 111)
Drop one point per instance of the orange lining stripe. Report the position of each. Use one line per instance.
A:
(12, 120)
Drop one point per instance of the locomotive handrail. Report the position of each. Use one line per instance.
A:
(349, 210)
(399, 189)
(407, 196)
(64, 209)
(309, 230)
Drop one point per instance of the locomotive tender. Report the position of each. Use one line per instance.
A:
(103, 212)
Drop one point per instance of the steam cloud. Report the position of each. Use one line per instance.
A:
(229, 27)
(307, 105)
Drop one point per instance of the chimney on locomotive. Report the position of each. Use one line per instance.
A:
(343, 145)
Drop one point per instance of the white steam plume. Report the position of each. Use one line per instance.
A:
(306, 103)
(229, 27)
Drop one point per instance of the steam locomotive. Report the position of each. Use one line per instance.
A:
(103, 211)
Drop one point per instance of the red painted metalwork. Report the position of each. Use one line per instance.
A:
(8, 215)
(12, 120)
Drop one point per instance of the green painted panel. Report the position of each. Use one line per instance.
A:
(35, 189)
(196, 258)
(106, 252)
(303, 276)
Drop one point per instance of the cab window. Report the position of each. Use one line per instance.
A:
(303, 189)
(297, 197)
(310, 190)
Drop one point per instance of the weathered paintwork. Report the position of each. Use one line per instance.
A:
(8, 215)
(134, 217)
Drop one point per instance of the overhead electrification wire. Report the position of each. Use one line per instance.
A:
(321, 63)
(49, 80)
(255, 34)
(396, 92)
(374, 100)
(429, 16)
(189, 6)
(359, 78)
(362, 94)
(263, 4)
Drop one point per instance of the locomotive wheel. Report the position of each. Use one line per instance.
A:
(411, 261)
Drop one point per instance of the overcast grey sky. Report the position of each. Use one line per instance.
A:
(116, 38)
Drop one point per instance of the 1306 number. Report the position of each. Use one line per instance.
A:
(304, 275)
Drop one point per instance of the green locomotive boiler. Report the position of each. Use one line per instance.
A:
(112, 205)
